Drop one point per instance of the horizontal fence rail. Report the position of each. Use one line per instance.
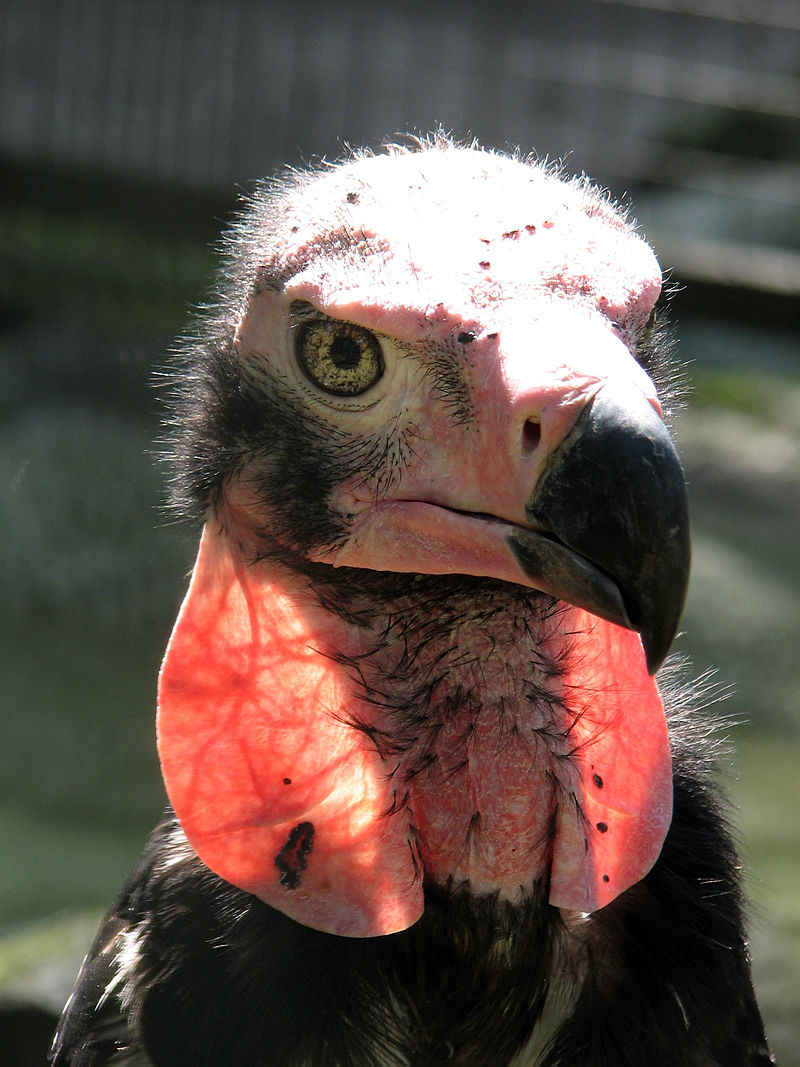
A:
(213, 93)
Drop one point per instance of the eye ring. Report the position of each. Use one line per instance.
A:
(339, 358)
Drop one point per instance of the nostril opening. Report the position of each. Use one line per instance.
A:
(531, 436)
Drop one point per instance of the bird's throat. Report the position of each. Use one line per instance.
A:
(327, 751)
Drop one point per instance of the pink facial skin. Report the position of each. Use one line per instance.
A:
(532, 289)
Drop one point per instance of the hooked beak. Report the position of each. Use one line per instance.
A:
(611, 522)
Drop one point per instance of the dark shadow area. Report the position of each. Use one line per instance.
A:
(25, 1035)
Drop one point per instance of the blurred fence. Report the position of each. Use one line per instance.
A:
(698, 99)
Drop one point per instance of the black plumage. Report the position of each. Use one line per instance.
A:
(661, 976)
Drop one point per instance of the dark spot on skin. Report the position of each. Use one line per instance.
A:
(530, 228)
(295, 229)
(602, 827)
(287, 781)
(606, 878)
(466, 338)
(352, 198)
(512, 235)
(292, 858)
(484, 264)
(486, 240)
(598, 781)
(491, 336)
(585, 846)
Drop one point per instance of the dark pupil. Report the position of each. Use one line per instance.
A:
(346, 353)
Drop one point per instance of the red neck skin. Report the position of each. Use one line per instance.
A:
(474, 731)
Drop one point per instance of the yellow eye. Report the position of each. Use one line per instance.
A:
(340, 358)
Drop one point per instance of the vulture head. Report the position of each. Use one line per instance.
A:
(445, 545)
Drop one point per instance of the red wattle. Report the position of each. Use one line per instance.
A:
(282, 797)
(251, 749)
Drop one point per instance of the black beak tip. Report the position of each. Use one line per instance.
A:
(657, 643)
(615, 494)
(655, 595)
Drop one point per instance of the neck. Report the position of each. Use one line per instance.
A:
(456, 685)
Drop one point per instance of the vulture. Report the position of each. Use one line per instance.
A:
(427, 801)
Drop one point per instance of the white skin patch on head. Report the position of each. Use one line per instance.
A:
(409, 244)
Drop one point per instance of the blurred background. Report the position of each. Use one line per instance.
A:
(128, 129)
